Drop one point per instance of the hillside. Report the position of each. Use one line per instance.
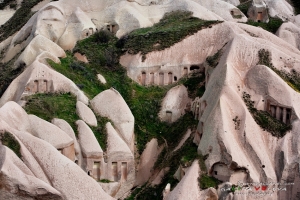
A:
(141, 99)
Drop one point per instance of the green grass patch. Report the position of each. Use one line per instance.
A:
(213, 61)
(244, 7)
(292, 79)
(49, 106)
(172, 28)
(9, 140)
(184, 156)
(265, 120)
(105, 181)
(272, 26)
(100, 131)
(195, 85)
(206, 181)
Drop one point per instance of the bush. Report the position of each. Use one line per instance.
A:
(172, 28)
(265, 120)
(103, 36)
(9, 140)
(272, 26)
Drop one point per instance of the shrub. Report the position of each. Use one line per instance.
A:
(265, 120)
(272, 26)
(172, 28)
(9, 140)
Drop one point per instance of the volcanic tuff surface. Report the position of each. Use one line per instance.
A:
(216, 106)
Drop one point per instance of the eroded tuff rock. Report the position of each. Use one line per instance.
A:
(111, 104)
(86, 114)
(26, 186)
(174, 104)
(147, 161)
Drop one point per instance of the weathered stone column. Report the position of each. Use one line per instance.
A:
(284, 116)
(278, 112)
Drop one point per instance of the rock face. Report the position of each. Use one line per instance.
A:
(44, 173)
(258, 11)
(120, 161)
(174, 104)
(50, 133)
(290, 32)
(39, 78)
(111, 104)
(101, 78)
(65, 126)
(26, 186)
(190, 180)
(86, 114)
(147, 161)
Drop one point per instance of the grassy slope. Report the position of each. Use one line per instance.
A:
(173, 28)
(103, 51)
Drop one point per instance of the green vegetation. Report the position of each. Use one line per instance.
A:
(195, 85)
(296, 5)
(184, 156)
(265, 120)
(213, 61)
(19, 19)
(272, 26)
(9, 73)
(100, 131)
(244, 7)
(105, 181)
(49, 106)
(172, 28)
(9, 140)
(292, 79)
(206, 181)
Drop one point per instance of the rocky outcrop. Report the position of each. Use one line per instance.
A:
(39, 78)
(174, 104)
(26, 186)
(49, 132)
(86, 114)
(87, 141)
(111, 104)
(147, 160)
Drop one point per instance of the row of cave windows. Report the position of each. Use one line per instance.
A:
(110, 28)
(39, 87)
(96, 173)
(170, 76)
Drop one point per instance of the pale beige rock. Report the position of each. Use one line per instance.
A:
(27, 157)
(15, 116)
(147, 161)
(159, 176)
(86, 114)
(183, 139)
(49, 132)
(87, 140)
(101, 78)
(20, 182)
(37, 46)
(39, 78)
(81, 57)
(190, 180)
(68, 178)
(6, 14)
(110, 188)
(174, 104)
(116, 146)
(111, 104)
(65, 126)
